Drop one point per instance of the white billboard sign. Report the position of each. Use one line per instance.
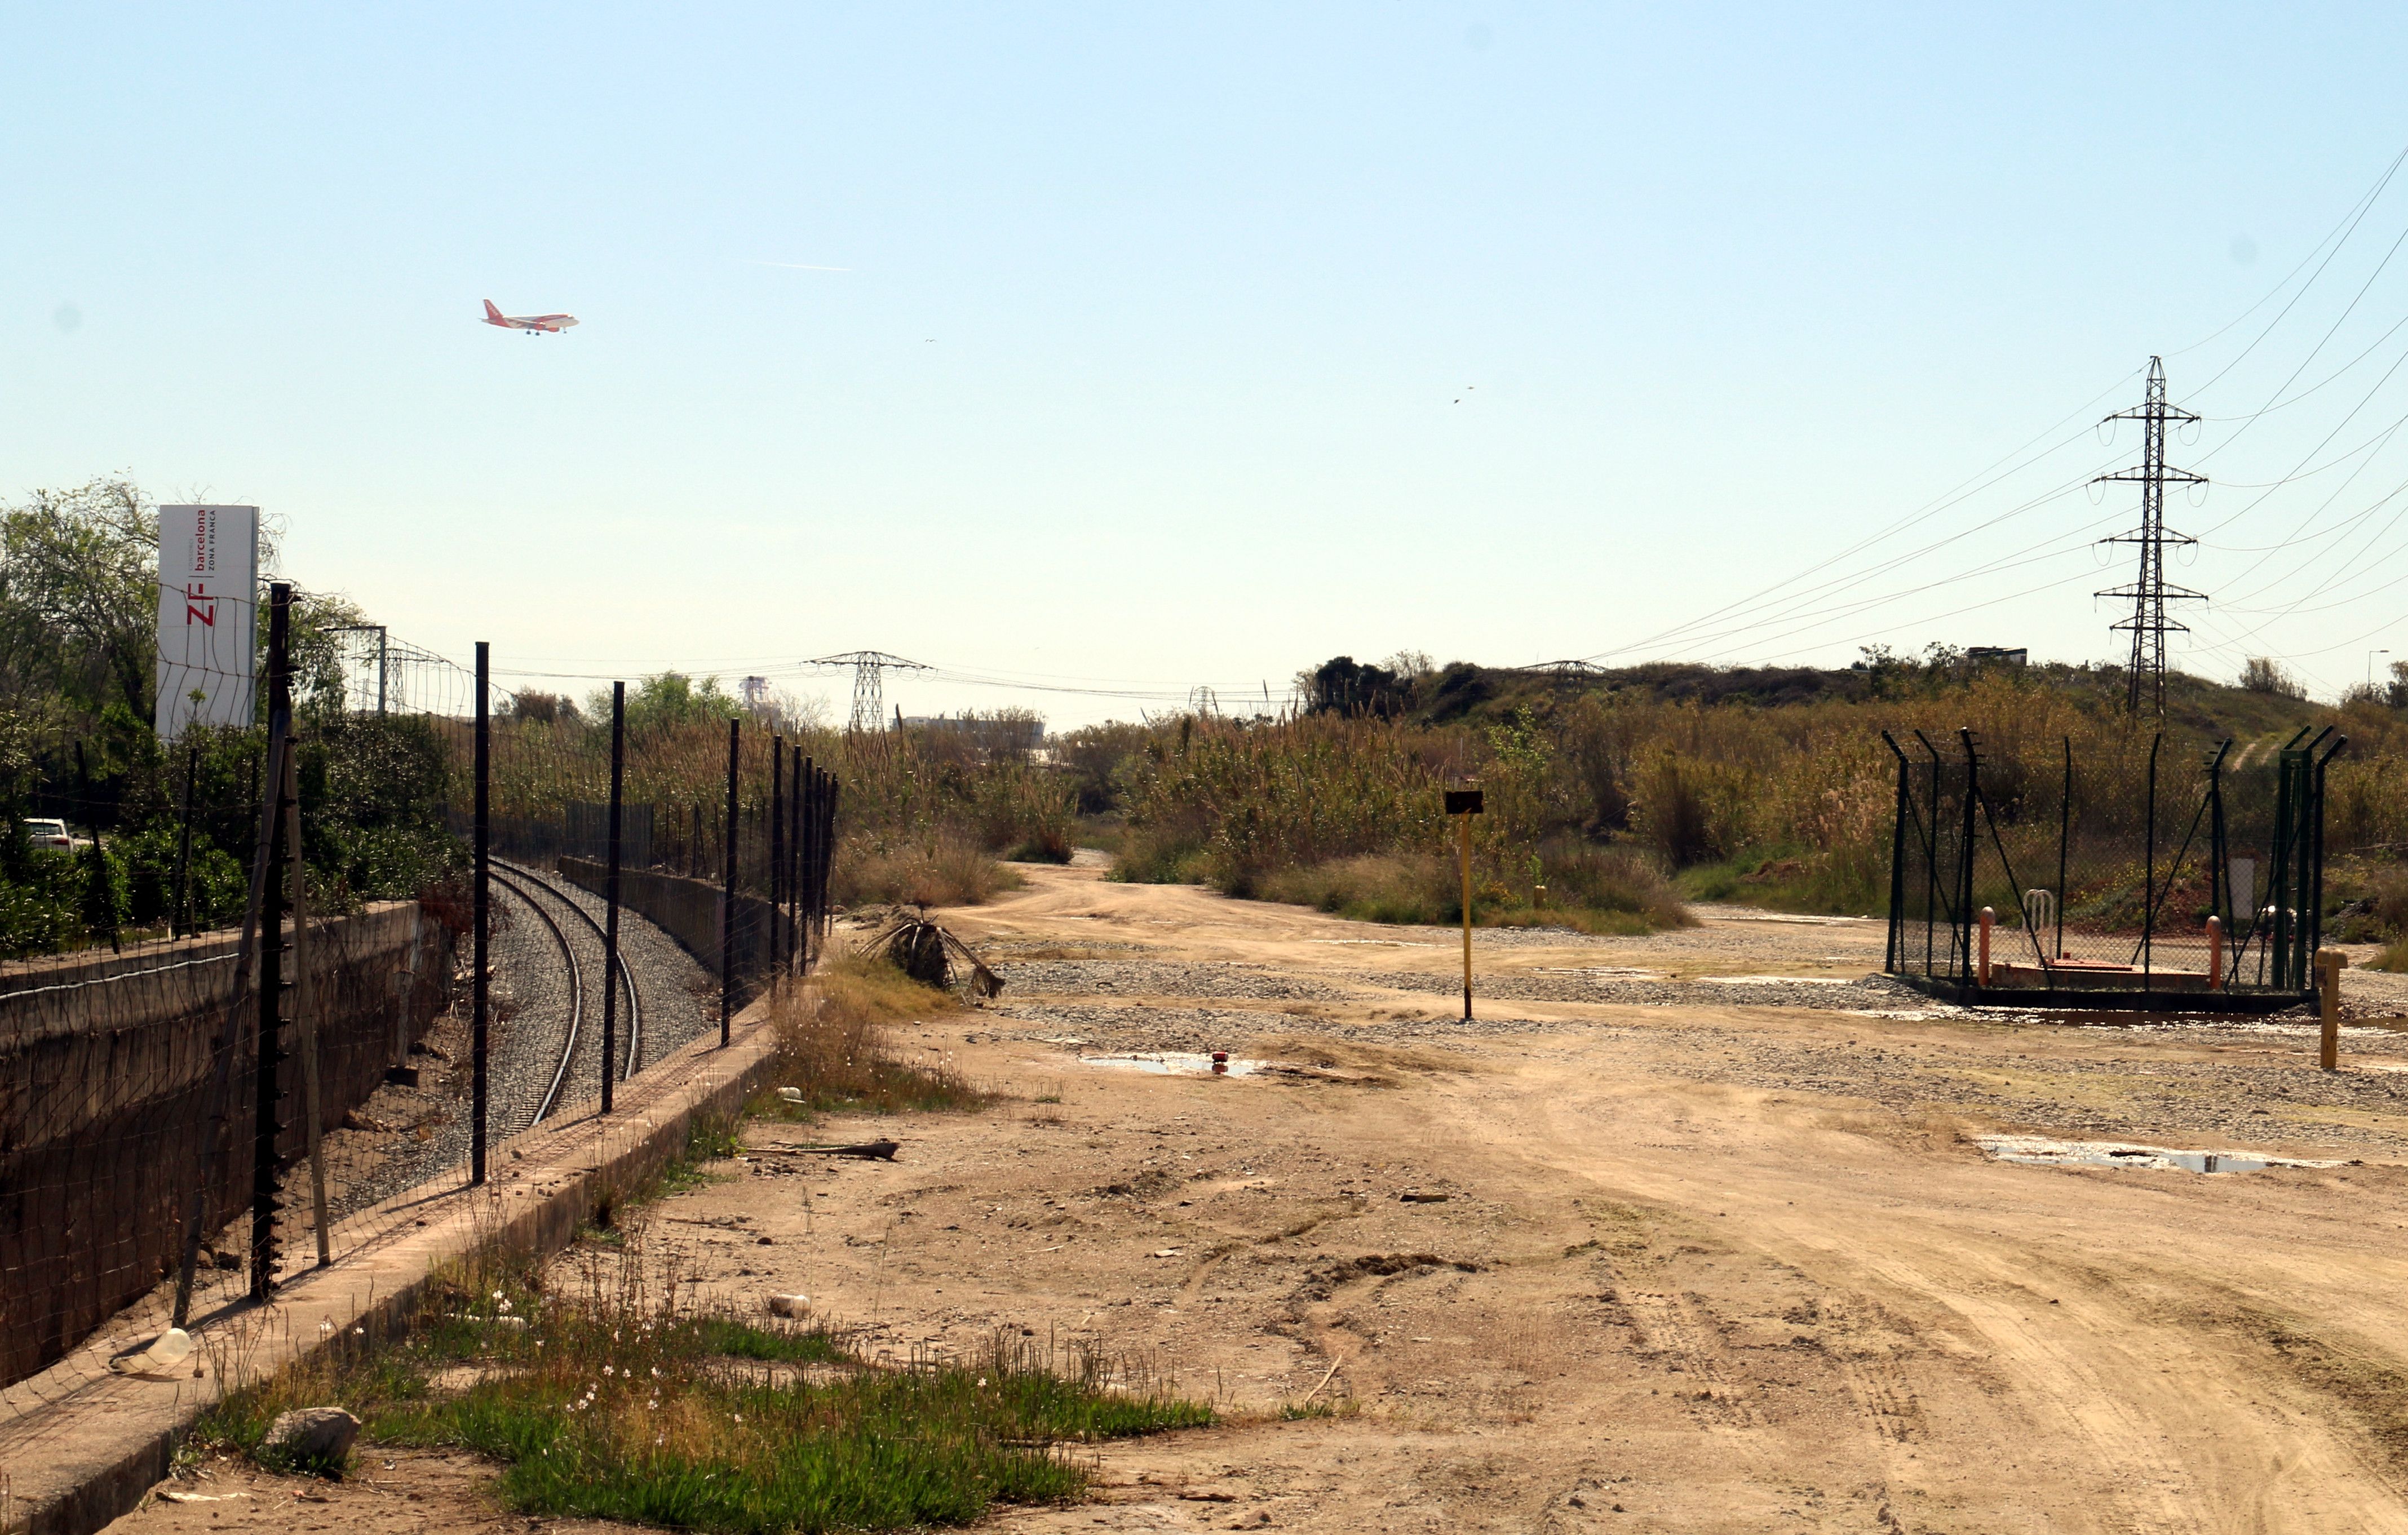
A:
(208, 604)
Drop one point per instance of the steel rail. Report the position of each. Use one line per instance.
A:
(576, 993)
(628, 977)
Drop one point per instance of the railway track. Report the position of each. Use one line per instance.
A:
(576, 992)
(519, 875)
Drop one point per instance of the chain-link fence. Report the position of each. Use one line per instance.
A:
(295, 1062)
(2132, 875)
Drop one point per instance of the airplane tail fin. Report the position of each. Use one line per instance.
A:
(492, 313)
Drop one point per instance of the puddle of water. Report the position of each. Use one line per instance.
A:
(1370, 943)
(2040, 1151)
(1618, 973)
(1174, 1063)
(1780, 980)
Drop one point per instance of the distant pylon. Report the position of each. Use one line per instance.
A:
(868, 690)
(2145, 678)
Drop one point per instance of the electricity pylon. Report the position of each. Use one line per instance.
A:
(2149, 593)
(868, 691)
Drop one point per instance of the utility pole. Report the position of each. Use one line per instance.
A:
(2146, 677)
(869, 687)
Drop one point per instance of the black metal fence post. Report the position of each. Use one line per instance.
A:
(1931, 857)
(807, 919)
(1965, 862)
(2316, 847)
(269, 1055)
(793, 862)
(827, 848)
(1891, 953)
(2278, 876)
(610, 895)
(728, 896)
(481, 985)
(777, 850)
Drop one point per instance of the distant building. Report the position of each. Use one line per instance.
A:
(2013, 656)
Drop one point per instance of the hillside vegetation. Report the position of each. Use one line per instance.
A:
(1613, 790)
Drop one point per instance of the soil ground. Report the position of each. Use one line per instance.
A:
(1706, 1247)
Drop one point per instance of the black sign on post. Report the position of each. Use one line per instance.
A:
(1466, 802)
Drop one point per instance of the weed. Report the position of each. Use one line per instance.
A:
(836, 1051)
(603, 1400)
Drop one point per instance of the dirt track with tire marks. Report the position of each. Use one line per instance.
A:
(1688, 1265)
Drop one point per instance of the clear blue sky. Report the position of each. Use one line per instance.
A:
(1145, 357)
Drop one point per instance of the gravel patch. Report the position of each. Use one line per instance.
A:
(680, 997)
(1869, 992)
(2138, 1098)
(1144, 1028)
(1138, 977)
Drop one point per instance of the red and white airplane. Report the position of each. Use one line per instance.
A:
(529, 323)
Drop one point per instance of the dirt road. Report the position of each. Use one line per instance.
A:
(1697, 1239)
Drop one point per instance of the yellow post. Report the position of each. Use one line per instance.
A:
(2330, 962)
(1465, 822)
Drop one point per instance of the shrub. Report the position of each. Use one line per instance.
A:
(834, 1047)
(947, 871)
(2265, 675)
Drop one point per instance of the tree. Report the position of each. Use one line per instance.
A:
(541, 708)
(669, 699)
(80, 598)
(2265, 675)
(1345, 686)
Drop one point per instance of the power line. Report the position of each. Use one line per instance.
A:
(2347, 227)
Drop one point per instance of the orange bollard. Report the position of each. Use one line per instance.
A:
(1989, 919)
(2330, 962)
(2214, 953)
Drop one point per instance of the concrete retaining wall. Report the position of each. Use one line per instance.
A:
(82, 1447)
(106, 1072)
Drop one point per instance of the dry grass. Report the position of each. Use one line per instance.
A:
(943, 871)
(836, 1048)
